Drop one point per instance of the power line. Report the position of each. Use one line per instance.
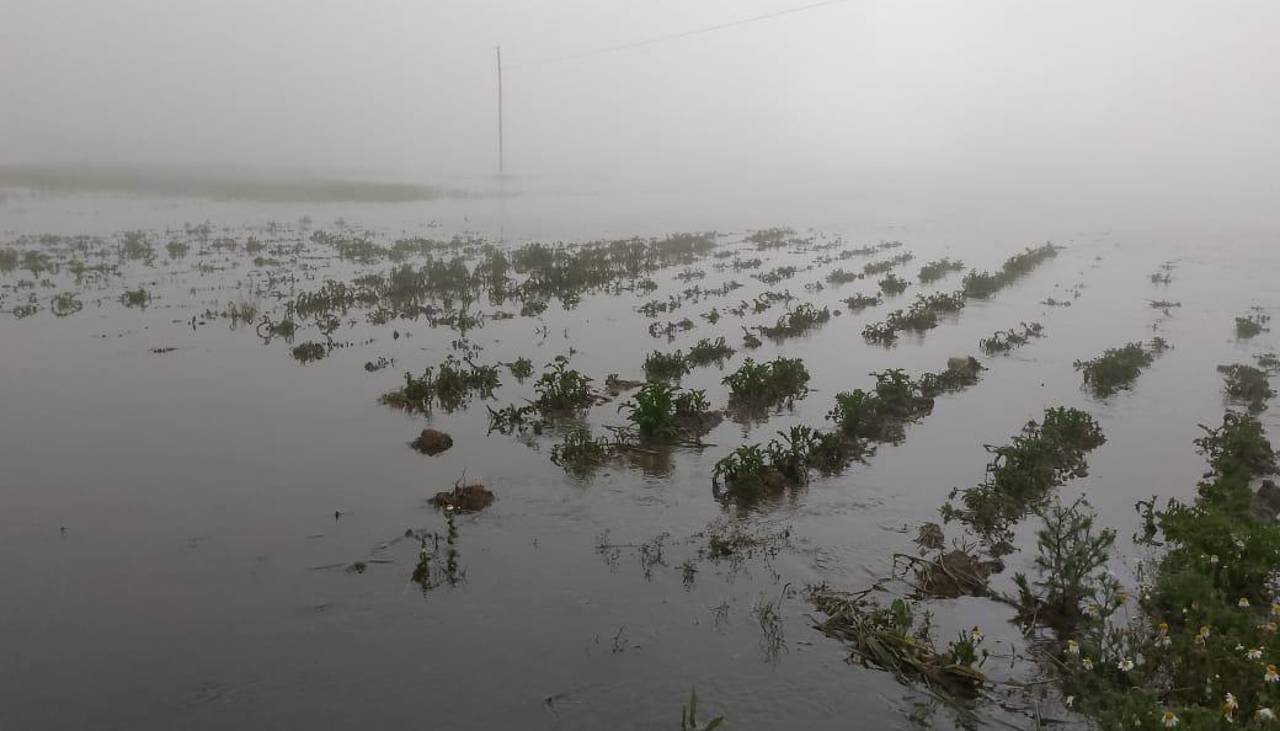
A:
(676, 36)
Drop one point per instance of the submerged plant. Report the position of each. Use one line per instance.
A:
(563, 389)
(1117, 368)
(1247, 384)
(139, 297)
(803, 318)
(579, 452)
(893, 284)
(660, 366)
(768, 384)
(937, 269)
(707, 351)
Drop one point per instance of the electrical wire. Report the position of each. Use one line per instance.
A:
(676, 36)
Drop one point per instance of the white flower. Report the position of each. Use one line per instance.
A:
(1253, 653)
(1214, 559)
(1272, 675)
(1264, 714)
(1073, 647)
(1169, 719)
(1243, 603)
(1087, 663)
(976, 634)
(1125, 665)
(1069, 701)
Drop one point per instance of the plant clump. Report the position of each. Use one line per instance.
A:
(1197, 648)
(451, 385)
(798, 321)
(767, 384)
(937, 269)
(1022, 473)
(1003, 341)
(1248, 385)
(1117, 368)
(982, 285)
(1251, 325)
(707, 351)
(893, 284)
(580, 453)
(660, 366)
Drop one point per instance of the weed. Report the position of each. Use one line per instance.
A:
(1071, 555)
(689, 716)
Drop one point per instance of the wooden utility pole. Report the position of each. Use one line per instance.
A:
(501, 167)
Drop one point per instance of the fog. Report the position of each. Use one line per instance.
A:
(1164, 106)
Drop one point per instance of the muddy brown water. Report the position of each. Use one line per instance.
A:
(171, 557)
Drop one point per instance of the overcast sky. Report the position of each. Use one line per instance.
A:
(1064, 94)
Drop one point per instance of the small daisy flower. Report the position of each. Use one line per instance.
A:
(1243, 603)
(1125, 665)
(1087, 663)
(1264, 714)
(1169, 719)
(1214, 559)
(1073, 647)
(1253, 653)
(976, 634)
(1270, 626)
(1069, 701)
(1272, 675)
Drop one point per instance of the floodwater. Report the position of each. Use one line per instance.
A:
(179, 530)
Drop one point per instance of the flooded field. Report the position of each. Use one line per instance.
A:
(518, 463)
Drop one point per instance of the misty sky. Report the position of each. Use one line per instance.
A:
(1069, 94)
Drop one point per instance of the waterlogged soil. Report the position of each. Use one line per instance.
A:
(201, 529)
